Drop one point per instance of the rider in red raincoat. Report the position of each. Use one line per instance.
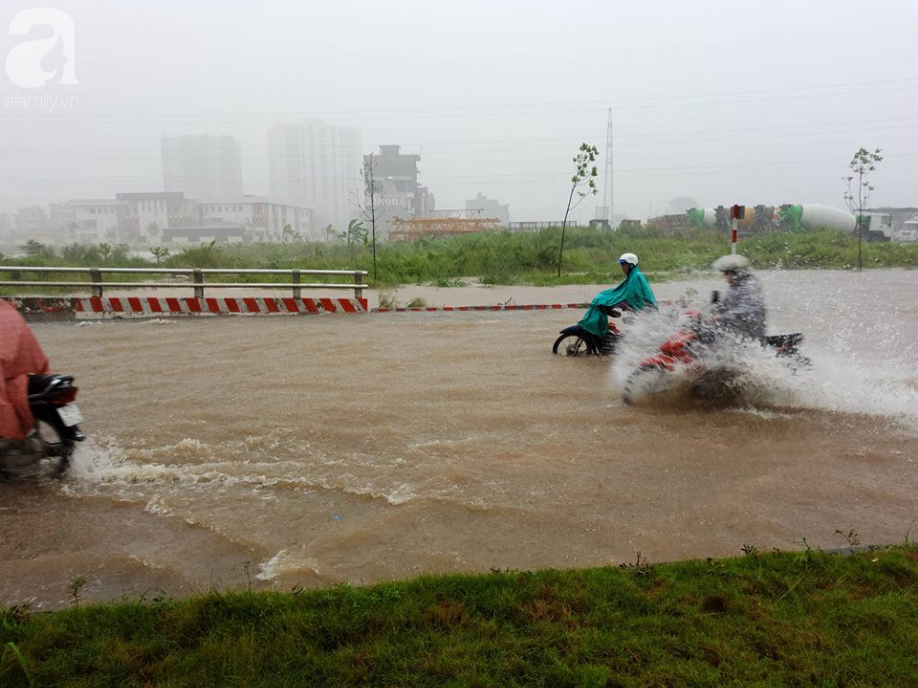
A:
(20, 356)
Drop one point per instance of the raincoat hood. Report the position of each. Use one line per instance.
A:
(20, 356)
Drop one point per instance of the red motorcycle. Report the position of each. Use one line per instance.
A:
(682, 353)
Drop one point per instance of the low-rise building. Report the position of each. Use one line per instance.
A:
(95, 221)
(32, 224)
(265, 218)
(6, 227)
(146, 215)
(144, 219)
(218, 231)
(482, 206)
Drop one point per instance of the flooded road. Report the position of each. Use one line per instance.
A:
(307, 451)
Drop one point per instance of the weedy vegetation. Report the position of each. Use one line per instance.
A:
(801, 618)
(495, 258)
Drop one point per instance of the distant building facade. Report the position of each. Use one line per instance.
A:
(63, 220)
(202, 167)
(144, 216)
(32, 223)
(264, 218)
(484, 207)
(217, 231)
(96, 221)
(150, 218)
(395, 179)
(316, 165)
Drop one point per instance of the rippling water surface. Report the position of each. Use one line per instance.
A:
(282, 452)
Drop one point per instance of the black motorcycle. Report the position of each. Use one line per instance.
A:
(49, 447)
(576, 341)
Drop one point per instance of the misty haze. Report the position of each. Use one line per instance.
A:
(228, 104)
(458, 344)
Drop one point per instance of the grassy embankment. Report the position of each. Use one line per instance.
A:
(508, 258)
(806, 618)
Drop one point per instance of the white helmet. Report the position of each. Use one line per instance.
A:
(629, 258)
(733, 263)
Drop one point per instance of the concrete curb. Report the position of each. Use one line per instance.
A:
(499, 307)
(55, 308)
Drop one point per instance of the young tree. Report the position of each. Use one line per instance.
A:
(857, 191)
(583, 183)
(105, 252)
(153, 231)
(356, 231)
(36, 249)
(159, 252)
(372, 202)
(289, 235)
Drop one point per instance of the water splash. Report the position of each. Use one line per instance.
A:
(840, 379)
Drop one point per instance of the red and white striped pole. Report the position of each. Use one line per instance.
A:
(737, 213)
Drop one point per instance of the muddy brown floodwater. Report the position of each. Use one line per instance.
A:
(305, 451)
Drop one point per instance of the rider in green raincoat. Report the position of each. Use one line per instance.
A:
(632, 294)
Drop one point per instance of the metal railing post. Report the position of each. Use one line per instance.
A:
(96, 276)
(297, 292)
(198, 280)
(358, 284)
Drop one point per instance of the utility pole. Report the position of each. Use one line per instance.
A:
(608, 192)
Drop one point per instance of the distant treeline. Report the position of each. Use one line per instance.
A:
(503, 257)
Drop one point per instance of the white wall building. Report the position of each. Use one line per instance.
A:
(484, 207)
(316, 165)
(97, 221)
(146, 215)
(202, 167)
(264, 217)
(149, 218)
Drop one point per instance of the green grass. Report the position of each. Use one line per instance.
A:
(777, 619)
(511, 257)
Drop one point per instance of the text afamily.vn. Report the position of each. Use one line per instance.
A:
(44, 102)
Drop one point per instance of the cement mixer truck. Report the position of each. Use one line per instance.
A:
(791, 218)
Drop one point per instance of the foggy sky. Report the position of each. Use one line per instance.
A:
(721, 101)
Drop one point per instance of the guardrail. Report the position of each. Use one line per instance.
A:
(197, 275)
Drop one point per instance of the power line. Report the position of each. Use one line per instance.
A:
(605, 102)
(413, 114)
(529, 176)
(104, 151)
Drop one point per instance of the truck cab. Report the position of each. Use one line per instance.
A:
(877, 226)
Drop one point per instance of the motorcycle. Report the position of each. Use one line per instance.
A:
(576, 341)
(53, 439)
(683, 353)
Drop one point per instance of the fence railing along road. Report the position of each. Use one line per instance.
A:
(197, 282)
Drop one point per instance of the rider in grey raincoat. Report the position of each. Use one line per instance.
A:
(742, 309)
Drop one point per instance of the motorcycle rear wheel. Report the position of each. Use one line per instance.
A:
(570, 345)
(43, 454)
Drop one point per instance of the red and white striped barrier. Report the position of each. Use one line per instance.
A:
(60, 308)
(498, 307)
(155, 306)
